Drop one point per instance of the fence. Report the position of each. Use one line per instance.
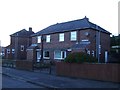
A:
(104, 72)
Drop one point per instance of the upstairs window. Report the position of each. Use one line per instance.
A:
(13, 51)
(39, 39)
(73, 36)
(8, 50)
(61, 37)
(48, 38)
(22, 47)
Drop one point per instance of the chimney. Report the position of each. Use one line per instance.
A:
(86, 18)
(30, 29)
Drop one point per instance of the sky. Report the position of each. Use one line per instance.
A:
(16, 15)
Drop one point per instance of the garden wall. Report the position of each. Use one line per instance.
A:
(24, 64)
(104, 72)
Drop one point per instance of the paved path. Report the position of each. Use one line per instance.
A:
(9, 82)
(53, 81)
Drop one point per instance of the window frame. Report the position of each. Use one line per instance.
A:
(48, 38)
(61, 55)
(8, 51)
(13, 51)
(73, 38)
(61, 37)
(39, 39)
(22, 48)
(45, 56)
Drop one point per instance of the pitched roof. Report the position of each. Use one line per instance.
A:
(69, 26)
(23, 33)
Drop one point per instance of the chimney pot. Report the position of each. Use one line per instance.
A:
(30, 28)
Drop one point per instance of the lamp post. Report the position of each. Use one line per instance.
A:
(98, 46)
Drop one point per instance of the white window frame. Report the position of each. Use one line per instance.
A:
(8, 50)
(38, 39)
(13, 51)
(88, 52)
(44, 55)
(61, 57)
(22, 47)
(61, 37)
(93, 53)
(38, 55)
(73, 35)
(47, 38)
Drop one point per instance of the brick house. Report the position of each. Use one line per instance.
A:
(19, 41)
(57, 41)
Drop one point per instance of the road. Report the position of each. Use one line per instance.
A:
(8, 82)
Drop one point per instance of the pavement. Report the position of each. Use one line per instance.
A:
(44, 79)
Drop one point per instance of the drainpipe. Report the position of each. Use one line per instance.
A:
(42, 39)
(16, 46)
(98, 44)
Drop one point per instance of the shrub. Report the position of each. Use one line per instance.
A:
(79, 57)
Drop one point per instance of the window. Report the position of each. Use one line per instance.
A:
(93, 54)
(39, 39)
(46, 55)
(13, 51)
(8, 50)
(61, 37)
(48, 38)
(22, 47)
(59, 54)
(73, 36)
(88, 52)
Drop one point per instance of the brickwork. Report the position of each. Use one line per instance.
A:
(18, 39)
(24, 64)
(54, 44)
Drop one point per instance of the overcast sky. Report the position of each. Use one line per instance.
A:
(16, 15)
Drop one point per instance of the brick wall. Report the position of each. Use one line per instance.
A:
(24, 64)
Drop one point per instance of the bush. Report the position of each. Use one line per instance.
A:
(79, 57)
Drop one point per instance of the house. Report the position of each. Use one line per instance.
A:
(19, 41)
(57, 41)
(115, 49)
(2, 51)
